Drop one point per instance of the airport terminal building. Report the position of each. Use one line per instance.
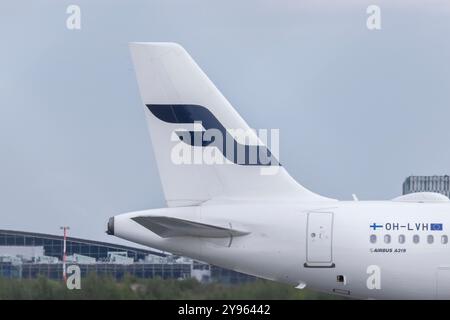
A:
(30, 255)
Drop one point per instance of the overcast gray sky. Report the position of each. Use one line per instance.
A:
(358, 110)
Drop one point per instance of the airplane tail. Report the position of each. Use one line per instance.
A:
(203, 148)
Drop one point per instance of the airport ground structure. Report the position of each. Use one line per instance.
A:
(30, 255)
(438, 184)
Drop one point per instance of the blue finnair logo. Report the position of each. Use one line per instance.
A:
(234, 152)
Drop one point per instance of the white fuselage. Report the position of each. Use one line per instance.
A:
(326, 246)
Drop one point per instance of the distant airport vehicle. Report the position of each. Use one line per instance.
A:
(231, 213)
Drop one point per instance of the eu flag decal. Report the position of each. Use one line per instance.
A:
(436, 227)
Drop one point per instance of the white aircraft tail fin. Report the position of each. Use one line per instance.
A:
(186, 115)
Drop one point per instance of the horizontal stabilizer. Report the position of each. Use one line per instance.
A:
(167, 227)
